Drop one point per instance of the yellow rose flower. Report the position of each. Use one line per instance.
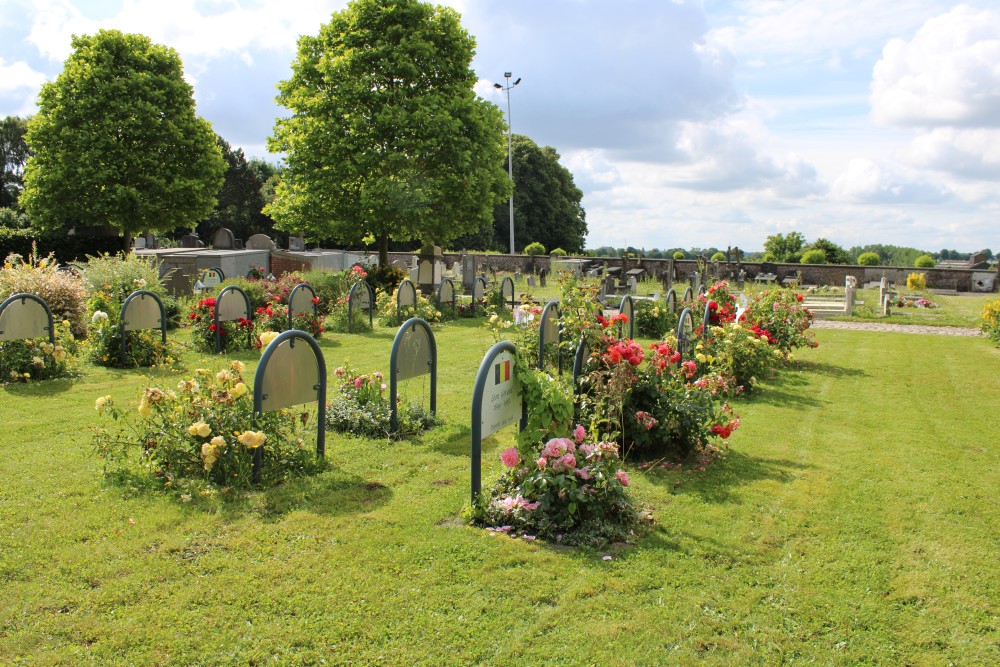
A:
(238, 366)
(209, 454)
(252, 439)
(101, 403)
(239, 390)
(143, 408)
(224, 376)
(200, 428)
(218, 441)
(266, 338)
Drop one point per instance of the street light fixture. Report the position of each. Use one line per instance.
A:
(510, 156)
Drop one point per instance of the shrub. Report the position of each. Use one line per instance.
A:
(679, 254)
(62, 291)
(924, 262)
(205, 431)
(30, 359)
(779, 315)
(360, 407)
(652, 319)
(385, 278)
(869, 259)
(990, 320)
(145, 348)
(558, 252)
(385, 304)
(535, 248)
(814, 256)
(744, 353)
(568, 491)
(719, 257)
(916, 281)
(234, 334)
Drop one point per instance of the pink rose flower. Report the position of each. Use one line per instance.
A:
(567, 461)
(622, 477)
(579, 433)
(510, 457)
(583, 473)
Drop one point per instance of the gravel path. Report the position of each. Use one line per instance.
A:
(904, 328)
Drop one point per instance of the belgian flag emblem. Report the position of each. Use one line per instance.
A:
(501, 372)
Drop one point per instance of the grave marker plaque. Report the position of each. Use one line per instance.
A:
(478, 291)
(446, 293)
(406, 295)
(229, 307)
(361, 297)
(685, 332)
(414, 353)
(496, 402)
(292, 371)
(507, 291)
(671, 300)
(688, 295)
(549, 332)
(26, 316)
(142, 310)
(301, 302)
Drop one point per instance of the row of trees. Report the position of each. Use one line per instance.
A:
(386, 141)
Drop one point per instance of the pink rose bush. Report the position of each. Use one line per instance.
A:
(570, 491)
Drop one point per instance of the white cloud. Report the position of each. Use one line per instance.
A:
(871, 182)
(948, 74)
(972, 154)
(17, 76)
(592, 170)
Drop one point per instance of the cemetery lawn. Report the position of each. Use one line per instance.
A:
(854, 520)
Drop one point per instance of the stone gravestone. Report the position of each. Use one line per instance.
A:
(429, 268)
(633, 285)
(260, 242)
(223, 239)
(191, 241)
(531, 281)
(297, 243)
(541, 277)
(468, 272)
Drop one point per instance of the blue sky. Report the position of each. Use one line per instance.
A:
(685, 123)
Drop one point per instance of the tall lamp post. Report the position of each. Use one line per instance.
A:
(510, 156)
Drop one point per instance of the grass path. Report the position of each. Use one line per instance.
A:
(854, 521)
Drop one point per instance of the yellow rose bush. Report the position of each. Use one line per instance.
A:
(201, 429)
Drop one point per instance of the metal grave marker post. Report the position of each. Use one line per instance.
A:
(706, 320)
(549, 331)
(496, 402)
(230, 308)
(742, 308)
(142, 310)
(292, 371)
(414, 353)
(478, 292)
(362, 297)
(580, 360)
(446, 294)
(627, 308)
(671, 301)
(406, 295)
(685, 331)
(302, 301)
(688, 295)
(507, 291)
(26, 316)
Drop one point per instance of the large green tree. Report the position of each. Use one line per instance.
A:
(14, 152)
(387, 138)
(784, 248)
(547, 203)
(241, 199)
(116, 141)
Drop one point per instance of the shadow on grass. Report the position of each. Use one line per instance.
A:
(39, 387)
(449, 439)
(830, 370)
(716, 483)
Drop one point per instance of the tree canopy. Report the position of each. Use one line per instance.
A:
(784, 248)
(387, 138)
(14, 152)
(116, 141)
(241, 199)
(547, 203)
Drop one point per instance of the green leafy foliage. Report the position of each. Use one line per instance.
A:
(869, 259)
(535, 248)
(116, 141)
(814, 256)
(924, 262)
(387, 136)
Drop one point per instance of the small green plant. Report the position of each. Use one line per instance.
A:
(719, 257)
(534, 248)
(869, 259)
(29, 359)
(234, 335)
(558, 252)
(679, 254)
(63, 292)
(924, 262)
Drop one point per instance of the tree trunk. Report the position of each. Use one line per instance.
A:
(126, 243)
(383, 250)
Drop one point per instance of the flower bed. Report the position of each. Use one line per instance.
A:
(203, 431)
(360, 407)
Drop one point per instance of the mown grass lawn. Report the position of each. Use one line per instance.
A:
(853, 521)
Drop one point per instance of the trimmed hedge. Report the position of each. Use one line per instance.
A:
(67, 248)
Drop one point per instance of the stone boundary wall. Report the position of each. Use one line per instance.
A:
(959, 280)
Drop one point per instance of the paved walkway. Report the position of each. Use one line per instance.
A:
(904, 328)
